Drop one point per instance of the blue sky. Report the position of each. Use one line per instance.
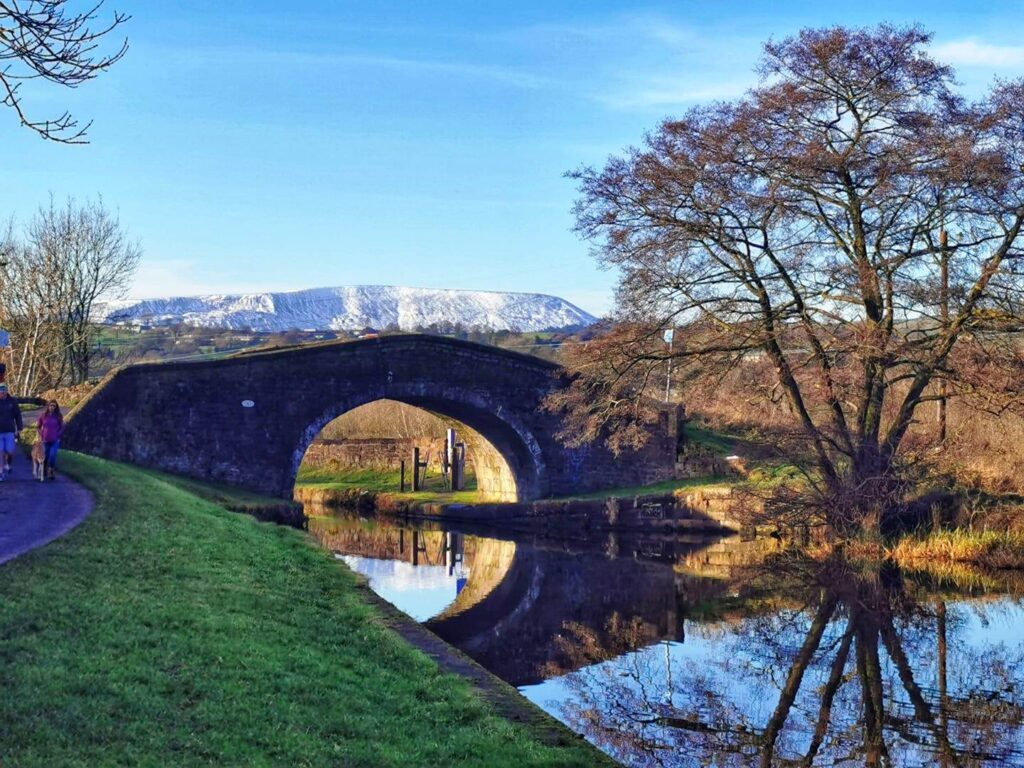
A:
(335, 143)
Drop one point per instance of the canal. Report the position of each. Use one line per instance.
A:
(686, 651)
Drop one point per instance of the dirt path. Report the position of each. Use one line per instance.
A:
(33, 514)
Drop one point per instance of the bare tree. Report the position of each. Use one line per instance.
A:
(46, 40)
(850, 221)
(70, 258)
(90, 257)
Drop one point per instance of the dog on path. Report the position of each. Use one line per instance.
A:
(38, 461)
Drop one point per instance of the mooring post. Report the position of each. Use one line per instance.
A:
(418, 478)
(449, 457)
(459, 467)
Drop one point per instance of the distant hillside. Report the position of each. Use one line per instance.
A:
(353, 308)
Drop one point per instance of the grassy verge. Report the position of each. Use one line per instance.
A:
(664, 487)
(229, 497)
(167, 631)
(354, 481)
(717, 442)
(985, 549)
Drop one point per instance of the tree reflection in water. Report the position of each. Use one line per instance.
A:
(853, 670)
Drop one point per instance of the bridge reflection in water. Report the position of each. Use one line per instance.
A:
(676, 652)
(519, 592)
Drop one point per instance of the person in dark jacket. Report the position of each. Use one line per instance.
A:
(10, 426)
(51, 427)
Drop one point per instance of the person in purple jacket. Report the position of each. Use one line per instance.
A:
(51, 427)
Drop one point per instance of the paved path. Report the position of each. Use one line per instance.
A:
(33, 514)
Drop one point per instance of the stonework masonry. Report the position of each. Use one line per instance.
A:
(249, 419)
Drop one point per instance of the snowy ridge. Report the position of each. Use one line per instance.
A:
(353, 308)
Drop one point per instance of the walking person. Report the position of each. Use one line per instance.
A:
(10, 426)
(51, 427)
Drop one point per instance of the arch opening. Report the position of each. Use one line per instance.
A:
(365, 444)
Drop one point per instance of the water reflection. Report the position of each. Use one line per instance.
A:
(844, 667)
(683, 652)
(420, 572)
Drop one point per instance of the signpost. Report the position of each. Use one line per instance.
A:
(669, 336)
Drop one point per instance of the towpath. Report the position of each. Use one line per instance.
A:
(33, 514)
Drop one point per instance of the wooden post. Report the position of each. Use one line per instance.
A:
(449, 458)
(401, 476)
(459, 467)
(417, 465)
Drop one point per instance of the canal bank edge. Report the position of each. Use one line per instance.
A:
(502, 700)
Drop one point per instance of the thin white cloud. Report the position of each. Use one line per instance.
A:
(239, 57)
(674, 94)
(972, 52)
(506, 75)
(628, 28)
(648, 61)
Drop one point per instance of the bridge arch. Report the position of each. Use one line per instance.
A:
(247, 420)
(507, 457)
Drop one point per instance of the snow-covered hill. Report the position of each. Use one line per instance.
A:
(354, 308)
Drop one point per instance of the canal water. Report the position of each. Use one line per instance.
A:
(674, 651)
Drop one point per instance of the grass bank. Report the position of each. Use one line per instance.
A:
(995, 550)
(346, 483)
(168, 631)
(655, 489)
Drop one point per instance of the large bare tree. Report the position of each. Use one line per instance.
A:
(49, 40)
(849, 221)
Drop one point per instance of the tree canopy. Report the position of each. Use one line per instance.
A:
(853, 220)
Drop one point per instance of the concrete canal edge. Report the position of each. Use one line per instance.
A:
(503, 698)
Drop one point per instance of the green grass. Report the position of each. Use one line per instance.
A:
(717, 442)
(384, 481)
(230, 497)
(165, 631)
(666, 486)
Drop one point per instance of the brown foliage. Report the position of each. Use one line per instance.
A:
(608, 396)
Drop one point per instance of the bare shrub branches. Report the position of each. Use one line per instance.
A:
(70, 257)
(46, 40)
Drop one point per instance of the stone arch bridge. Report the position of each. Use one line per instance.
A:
(248, 419)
